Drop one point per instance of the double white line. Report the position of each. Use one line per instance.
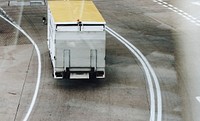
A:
(150, 75)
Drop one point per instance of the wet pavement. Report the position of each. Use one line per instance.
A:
(123, 94)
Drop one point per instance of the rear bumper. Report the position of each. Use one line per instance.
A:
(80, 73)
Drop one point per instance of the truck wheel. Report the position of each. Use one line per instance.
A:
(92, 75)
(52, 74)
(66, 75)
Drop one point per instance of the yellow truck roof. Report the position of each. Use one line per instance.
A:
(73, 11)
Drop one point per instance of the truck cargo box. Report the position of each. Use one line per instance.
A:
(76, 39)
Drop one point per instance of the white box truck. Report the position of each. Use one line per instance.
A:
(76, 39)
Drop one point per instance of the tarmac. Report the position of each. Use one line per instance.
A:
(122, 95)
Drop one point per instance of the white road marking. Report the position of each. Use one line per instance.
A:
(198, 98)
(149, 74)
(196, 3)
(39, 64)
(180, 12)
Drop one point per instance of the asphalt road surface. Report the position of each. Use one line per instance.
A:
(123, 94)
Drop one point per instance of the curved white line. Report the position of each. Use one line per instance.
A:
(147, 67)
(39, 68)
(159, 98)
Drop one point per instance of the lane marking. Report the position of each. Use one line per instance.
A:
(149, 74)
(179, 11)
(198, 98)
(39, 62)
(196, 3)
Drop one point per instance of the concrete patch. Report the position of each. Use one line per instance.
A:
(13, 71)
